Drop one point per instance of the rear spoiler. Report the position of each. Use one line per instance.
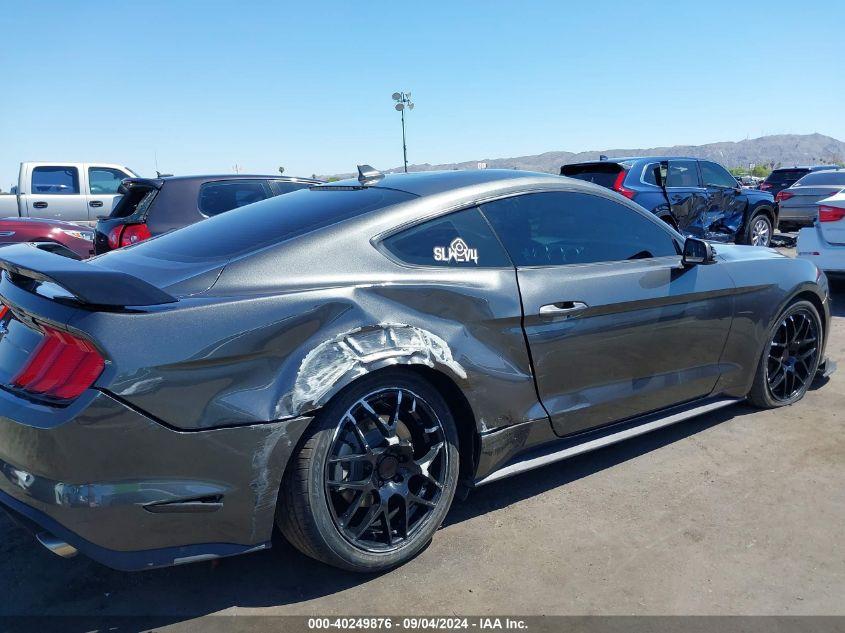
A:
(148, 183)
(88, 283)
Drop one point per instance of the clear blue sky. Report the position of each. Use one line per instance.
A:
(206, 85)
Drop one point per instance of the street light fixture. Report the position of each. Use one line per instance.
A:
(403, 101)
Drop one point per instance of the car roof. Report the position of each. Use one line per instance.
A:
(424, 183)
(808, 167)
(630, 159)
(158, 182)
(239, 177)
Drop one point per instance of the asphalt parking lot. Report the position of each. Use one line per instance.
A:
(739, 512)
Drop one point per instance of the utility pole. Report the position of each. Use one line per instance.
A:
(403, 101)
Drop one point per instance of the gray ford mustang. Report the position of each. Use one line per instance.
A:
(340, 361)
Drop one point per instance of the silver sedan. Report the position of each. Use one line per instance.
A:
(798, 204)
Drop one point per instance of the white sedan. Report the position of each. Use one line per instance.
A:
(824, 243)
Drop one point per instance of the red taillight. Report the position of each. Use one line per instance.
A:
(126, 234)
(618, 186)
(783, 195)
(114, 236)
(134, 233)
(830, 214)
(62, 366)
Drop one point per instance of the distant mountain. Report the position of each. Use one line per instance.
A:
(774, 150)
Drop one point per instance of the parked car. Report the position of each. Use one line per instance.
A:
(798, 205)
(785, 177)
(749, 181)
(699, 198)
(341, 358)
(152, 206)
(76, 238)
(70, 192)
(824, 243)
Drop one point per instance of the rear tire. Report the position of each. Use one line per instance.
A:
(790, 357)
(374, 476)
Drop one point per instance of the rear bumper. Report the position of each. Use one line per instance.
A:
(804, 216)
(134, 494)
(37, 522)
(828, 257)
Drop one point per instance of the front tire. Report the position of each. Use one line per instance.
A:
(375, 475)
(759, 231)
(790, 357)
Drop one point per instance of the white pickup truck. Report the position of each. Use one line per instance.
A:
(72, 192)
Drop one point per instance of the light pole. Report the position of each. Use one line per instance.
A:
(403, 100)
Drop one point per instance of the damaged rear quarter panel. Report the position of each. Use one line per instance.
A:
(299, 328)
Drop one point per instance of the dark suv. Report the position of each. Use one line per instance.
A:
(699, 197)
(785, 177)
(151, 206)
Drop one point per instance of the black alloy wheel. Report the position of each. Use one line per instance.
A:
(374, 475)
(793, 355)
(386, 469)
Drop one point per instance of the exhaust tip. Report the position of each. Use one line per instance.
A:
(56, 545)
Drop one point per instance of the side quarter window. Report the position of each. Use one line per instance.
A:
(461, 239)
(224, 195)
(561, 228)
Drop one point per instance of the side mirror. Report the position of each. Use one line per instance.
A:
(697, 251)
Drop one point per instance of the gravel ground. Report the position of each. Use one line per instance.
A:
(738, 512)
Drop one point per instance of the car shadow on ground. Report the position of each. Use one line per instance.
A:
(36, 583)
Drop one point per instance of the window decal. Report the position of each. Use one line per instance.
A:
(458, 252)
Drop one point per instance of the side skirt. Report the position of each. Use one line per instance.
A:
(592, 440)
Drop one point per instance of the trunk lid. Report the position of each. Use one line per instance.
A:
(800, 196)
(602, 172)
(177, 276)
(43, 356)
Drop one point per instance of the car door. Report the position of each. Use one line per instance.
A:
(616, 326)
(55, 192)
(103, 184)
(725, 202)
(687, 199)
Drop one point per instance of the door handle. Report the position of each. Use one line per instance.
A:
(562, 308)
(39, 205)
(95, 203)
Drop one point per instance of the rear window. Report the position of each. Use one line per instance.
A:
(785, 176)
(135, 199)
(270, 221)
(822, 178)
(599, 173)
(285, 186)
